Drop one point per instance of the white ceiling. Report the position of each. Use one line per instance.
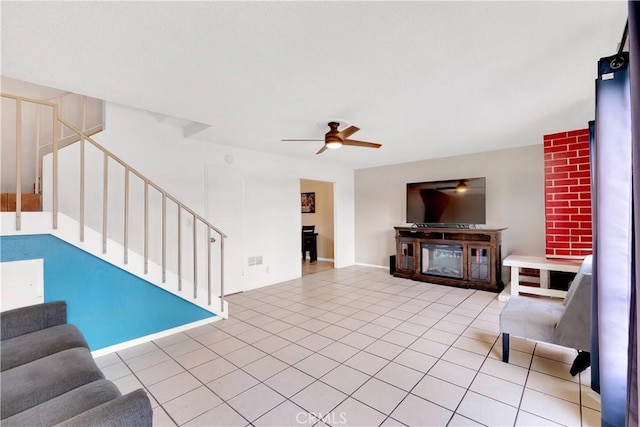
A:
(425, 79)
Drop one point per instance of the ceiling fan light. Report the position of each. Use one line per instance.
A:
(461, 187)
(333, 144)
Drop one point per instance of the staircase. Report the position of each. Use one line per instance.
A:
(111, 210)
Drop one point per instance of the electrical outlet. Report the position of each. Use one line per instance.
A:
(252, 261)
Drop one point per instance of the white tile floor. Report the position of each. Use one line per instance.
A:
(356, 347)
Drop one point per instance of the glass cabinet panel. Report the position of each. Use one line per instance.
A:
(479, 264)
(407, 257)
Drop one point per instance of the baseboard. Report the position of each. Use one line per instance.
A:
(505, 295)
(386, 267)
(151, 337)
(320, 259)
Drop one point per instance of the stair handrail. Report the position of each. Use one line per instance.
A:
(139, 175)
(128, 169)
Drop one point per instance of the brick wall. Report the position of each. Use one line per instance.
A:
(567, 194)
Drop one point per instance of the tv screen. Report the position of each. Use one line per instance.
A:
(456, 201)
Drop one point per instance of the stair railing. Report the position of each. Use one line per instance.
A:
(65, 139)
(148, 184)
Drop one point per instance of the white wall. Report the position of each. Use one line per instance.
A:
(9, 126)
(515, 199)
(29, 120)
(270, 205)
(22, 283)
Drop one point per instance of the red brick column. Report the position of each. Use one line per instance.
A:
(567, 191)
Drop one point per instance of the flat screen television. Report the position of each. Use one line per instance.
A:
(456, 202)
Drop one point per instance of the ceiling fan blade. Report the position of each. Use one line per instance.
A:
(302, 140)
(324, 147)
(349, 131)
(361, 143)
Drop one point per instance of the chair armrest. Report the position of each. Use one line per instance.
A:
(24, 320)
(574, 326)
(133, 409)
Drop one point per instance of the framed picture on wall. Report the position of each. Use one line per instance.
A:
(308, 202)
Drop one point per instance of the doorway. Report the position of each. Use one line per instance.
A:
(317, 209)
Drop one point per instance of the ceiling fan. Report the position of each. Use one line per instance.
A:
(461, 186)
(336, 139)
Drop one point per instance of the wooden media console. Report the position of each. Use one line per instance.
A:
(462, 257)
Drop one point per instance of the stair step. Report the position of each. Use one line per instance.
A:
(30, 202)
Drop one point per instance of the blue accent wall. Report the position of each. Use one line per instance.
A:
(108, 304)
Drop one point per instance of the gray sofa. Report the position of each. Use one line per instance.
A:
(48, 376)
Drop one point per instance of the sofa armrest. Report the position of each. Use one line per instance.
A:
(33, 318)
(133, 409)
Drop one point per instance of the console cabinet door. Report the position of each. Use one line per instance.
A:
(406, 256)
(480, 262)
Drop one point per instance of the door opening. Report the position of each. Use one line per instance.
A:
(317, 231)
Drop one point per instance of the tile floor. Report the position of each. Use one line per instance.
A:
(357, 347)
(309, 267)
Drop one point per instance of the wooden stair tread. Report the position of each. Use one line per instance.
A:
(30, 202)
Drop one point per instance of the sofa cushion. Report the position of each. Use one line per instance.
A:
(33, 383)
(530, 318)
(29, 347)
(133, 409)
(25, 320)
(66, 406)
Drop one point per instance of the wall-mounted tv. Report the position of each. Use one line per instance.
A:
(456, 202)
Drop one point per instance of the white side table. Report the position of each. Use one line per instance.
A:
(545, 265)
